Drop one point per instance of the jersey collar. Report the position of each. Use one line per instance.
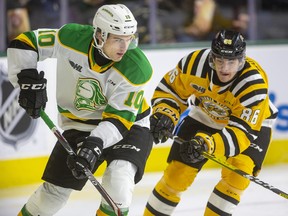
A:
(92, 62)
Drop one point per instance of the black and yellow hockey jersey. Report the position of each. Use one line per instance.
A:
(238, 109)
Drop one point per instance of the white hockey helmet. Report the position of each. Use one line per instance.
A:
(116, 19)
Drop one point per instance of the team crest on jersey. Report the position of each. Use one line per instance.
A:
(214, 109)
(89, 95)
(15, 125)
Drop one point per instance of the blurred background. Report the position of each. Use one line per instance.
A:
(168, 30)
(159, 21)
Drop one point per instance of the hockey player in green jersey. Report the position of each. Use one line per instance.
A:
(101, 77)
(230, 115)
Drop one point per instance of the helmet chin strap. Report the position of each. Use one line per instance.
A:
(100, 48)
(102, 53)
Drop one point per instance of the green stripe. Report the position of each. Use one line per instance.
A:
(25, 212)
(61, 110)
(32, 38)
(129, 116)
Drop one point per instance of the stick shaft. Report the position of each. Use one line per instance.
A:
(87, 172)
(234, 169)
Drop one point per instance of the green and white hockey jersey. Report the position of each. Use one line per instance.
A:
(110, 96)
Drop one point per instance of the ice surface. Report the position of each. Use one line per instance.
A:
(256, 200)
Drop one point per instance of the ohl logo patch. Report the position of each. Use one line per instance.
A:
(15, 124)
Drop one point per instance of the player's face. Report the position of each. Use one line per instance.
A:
(226, 69)
(116, 46)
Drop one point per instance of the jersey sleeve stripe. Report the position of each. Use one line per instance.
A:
(243, 77)
(273, 110)
(193, 100)
(184, 63)
(88, 121)
(234, 140)
(119, 125)
(163, 86)
(235, 88)
(126, 117)
(143, 114)
(253, 98)
(129, 116)
(171, 103)
(28, 38)
(168, 101)
(202, 65)
(243, 126)
(21, 45)
(248, 84)
(226, 144)
(198, 63)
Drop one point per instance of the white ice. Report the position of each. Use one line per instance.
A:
(256, 200)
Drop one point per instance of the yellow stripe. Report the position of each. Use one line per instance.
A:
(71, 116)
(144, 106)
(94, 65)
(26, 171)
(126, 123)
(29, 170)
(25, 39)
(21, 171)
(192, 60)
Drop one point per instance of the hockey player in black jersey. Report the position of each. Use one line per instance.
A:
(229, 112)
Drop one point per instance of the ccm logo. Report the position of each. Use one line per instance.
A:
(126, 146)
(33, 86)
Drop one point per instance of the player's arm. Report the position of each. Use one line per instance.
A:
(242, 129)
(168, 102)
(244, 124)
(23, 54)
(27, 49)
(171, 94)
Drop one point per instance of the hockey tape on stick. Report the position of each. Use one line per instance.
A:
(233, 168)
(87, 172)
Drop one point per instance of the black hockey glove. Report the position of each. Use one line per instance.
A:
(190, 151)
(88, 153)
(159, 124)
(33, 95)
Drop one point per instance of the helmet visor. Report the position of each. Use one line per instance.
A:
(134, 42)
(213, 57)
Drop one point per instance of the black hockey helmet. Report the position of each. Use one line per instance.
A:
(230, 45)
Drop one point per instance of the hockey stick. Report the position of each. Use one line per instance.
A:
(87, 172)
(233, 168)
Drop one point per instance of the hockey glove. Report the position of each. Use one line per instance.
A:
(159, 124)
(33, 95)
(190, 151)
(88, 153)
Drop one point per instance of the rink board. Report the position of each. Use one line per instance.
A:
(27, 171)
